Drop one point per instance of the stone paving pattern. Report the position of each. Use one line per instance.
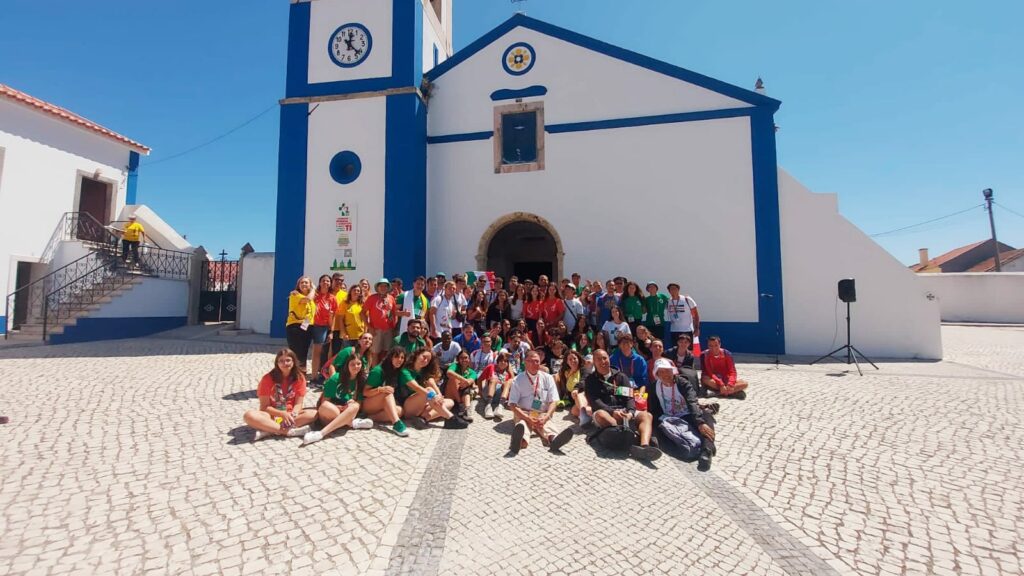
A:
(130, 457)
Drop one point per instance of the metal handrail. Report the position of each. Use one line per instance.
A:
(41, 280)
(55, 238)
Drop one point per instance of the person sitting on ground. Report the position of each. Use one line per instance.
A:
(684, 361)
(361, 348)
(642, 342)
(517, 350)
(447, 349)
(380, 400)
(459, 382)
(418, 380)
(719, 371)
(340, 402)
(626, 360)
(496, 340)
(483, 358)
(281, 393)
(496, 380)
(615, 327)
(533, 400)
(412, 338)
(609, 393)
(468, 340)
(679, 416)
(568, 380)
(554, 355)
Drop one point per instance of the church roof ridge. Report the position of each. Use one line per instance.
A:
(590, 43)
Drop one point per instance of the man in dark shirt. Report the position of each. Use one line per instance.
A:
(611, 396)
(685, 362)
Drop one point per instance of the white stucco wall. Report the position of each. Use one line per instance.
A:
(661, 203)
(157, 229)
(599, 87)
(152, 298)
(978, 296)
(327, 16)
(892, 317)
(42, 162)
(432, 37)
(256, 292)
(359, 126)
(67, 252)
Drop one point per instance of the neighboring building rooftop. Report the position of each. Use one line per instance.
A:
(1004, 258)
(969, 258)
(68, 116)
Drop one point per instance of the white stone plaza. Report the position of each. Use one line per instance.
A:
(130, 457)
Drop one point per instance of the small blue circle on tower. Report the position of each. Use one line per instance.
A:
(518, 58)
(350, 44)
(345, 167)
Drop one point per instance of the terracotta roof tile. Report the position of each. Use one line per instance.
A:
(940, 260)
(64, 114)
(989, 265)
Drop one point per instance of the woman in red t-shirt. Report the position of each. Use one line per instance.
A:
(281, 392)
(533, 307)
(326, 305)
(552, 307)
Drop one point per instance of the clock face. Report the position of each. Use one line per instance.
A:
(350, 45)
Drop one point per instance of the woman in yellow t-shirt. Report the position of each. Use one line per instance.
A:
(301, 309)
(571, 387)
(350, 316)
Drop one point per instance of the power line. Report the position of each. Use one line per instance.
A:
(212, 140)
(927, 221)
(1011, 211)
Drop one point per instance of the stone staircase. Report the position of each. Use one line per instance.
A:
(96, 296)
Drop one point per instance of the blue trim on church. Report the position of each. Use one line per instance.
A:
(131, 195)
(611, 50)
(405, 188)
(771, 330)
(290, 245)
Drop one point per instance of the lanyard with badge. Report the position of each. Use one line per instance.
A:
(675, 309)
(535, 407)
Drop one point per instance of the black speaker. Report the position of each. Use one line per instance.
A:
(848, 290)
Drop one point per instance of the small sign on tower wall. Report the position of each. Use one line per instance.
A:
(345, 228)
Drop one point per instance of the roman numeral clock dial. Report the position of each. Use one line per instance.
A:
(350, 45)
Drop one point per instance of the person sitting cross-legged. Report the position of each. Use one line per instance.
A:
(679, 416)
(611, 396)
(459, 381)
(383, 396)
(281, 393)
(718, 371)
(533, 400)
(496, 380)
(340, 402)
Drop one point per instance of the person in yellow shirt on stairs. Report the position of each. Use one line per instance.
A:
(132, 236)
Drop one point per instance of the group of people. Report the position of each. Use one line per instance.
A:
(389, 356)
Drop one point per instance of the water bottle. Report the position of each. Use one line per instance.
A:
(431, 395)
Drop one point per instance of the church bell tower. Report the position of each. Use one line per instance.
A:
(351, 192)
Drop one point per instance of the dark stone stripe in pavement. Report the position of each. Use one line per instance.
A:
(421, 540)
(787, 551)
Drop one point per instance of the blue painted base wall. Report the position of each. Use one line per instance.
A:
(93, 329)
(3, 324)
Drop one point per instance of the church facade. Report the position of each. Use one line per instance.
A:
(539, 150)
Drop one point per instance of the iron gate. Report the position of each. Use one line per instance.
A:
(218, 296)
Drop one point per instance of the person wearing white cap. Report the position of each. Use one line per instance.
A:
(679, 416)
(132, 236)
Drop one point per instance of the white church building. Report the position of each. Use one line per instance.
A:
(536, 149)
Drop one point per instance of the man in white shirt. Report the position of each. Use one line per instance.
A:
(681, 312)
(574, 309)
(446, 350)
(443, 309)
(533, 400)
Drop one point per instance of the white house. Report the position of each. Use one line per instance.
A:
(539, 150)
(65, 182)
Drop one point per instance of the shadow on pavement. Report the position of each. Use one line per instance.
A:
(243, 395)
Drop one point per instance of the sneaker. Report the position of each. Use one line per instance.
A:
(466, 415)
(704, 462)
(296, 432)
(260, 435)
(518, 431)
(499, 412)
(645, 453)
(561, 439)
(311, 437)
(488, 412)
(711, 408)
(455, 423)
(399, 429)
(362, 424)
(418, 422)
(741, 395)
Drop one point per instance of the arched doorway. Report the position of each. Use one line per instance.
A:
(521, 244)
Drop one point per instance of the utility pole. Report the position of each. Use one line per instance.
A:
(987, 193)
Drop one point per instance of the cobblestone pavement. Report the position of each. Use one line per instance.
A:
(129, 457)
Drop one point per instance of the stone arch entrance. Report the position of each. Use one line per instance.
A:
(521, 244)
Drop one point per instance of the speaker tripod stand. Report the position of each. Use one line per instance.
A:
(851, 350)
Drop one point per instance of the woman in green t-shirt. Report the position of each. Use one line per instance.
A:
(417, 378)
(382, 395)
(461, 379)
(633, 305)
(339, 404)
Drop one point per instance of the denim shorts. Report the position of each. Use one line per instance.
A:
(319, 333)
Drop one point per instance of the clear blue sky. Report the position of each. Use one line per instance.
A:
(906, 109)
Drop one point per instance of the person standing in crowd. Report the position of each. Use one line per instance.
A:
(476, 312)
(552, 307)
(323, 319)
(719, 371)
(606, 302)
(575, 313)
(412, 338)
(654, 311)
(134, 234)
(379, 315)
(679, 416)
(632, 304)
(533, 400)
(516, 303)
(281, 393)
(340, 402)
(500, 309)
(682, 314)
(301, 309)
(609, 393)
(412, 304)
(432, 288)
(397, 288)
(351, 314)
(341, 296)
(443, 309)
(533, 308)
(615, 327)
(468, 340)
(628, 362)
(575, 280)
